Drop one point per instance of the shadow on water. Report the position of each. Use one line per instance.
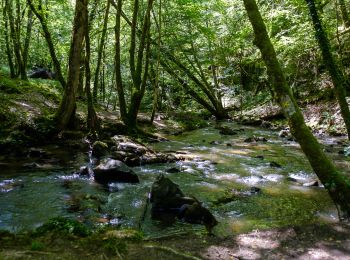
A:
(219, 170)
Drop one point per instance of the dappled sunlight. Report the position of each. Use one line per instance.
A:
(257, 240)
(323, 253)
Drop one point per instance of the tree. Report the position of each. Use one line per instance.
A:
(7, 42)
(335, 73)
(92, 119)
(344, 13)
(40, 14)
(66, 111)
(100, 50)
(336, 183)
(138, 61)
(211, 100)
(15, 35)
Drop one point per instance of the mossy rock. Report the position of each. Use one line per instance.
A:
(99, 149)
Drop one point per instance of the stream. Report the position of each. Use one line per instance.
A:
(216, 166)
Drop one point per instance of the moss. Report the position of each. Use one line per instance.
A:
(65, 226)
(37, 246)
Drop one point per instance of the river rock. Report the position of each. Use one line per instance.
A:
(99, 149)
(36, 152)
(311, 184)
(163, 189)
(274, 164)
(197, 214)
(284, 133)
(110, 170)
(251, 121)
(134, 153)
(84, 170)
(225, 130)
(168, 200)
(255, 139)
(173, 170)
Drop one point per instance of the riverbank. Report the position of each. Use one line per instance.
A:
(299, 242)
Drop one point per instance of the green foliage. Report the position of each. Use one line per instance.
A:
(65, 226)
(37, 246)
(190, 121)
(114, 246)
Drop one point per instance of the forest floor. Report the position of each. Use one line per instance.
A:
(331, 241)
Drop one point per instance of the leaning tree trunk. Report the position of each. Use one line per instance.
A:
(220, 112)
(336, 183)
(66, 111)
(328, 59)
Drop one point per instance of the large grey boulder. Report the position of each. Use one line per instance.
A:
(110, 170)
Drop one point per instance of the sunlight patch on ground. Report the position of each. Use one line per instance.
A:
(255, 241)
(318, 253)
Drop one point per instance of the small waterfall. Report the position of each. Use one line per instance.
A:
(90, 164)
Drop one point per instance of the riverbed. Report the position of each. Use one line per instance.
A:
(218, 170)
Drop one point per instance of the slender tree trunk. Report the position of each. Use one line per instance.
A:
(100, 50)
(156, 82)
(42, 19)
(344, 13)
(138, 60)
(28, 38)
(15, 40)
(336, 183)
(328, 59)
(7, 43)
(66, 112)
(142, 63)
(118, 75)
(92, 119)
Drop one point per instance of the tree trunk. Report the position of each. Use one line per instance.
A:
(328, 59)
(344, 13)
(66, 111)
(57, 66)
(220, 112)
(28, 38)
(14, 34)
(336, 183)
(100, 50)
(7, 43)
(118, 75)
(92, 119)
(138, 61)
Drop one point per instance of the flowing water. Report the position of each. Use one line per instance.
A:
(216, 167)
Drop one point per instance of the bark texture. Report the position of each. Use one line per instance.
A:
(335, 182)
(66, 112)
(336, 74)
